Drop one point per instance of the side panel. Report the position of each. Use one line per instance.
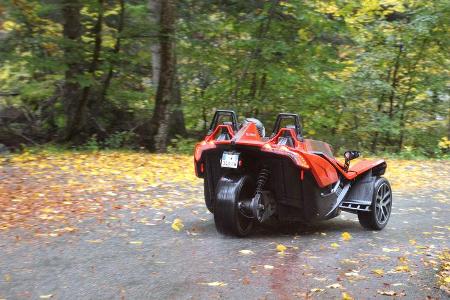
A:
(324, 173)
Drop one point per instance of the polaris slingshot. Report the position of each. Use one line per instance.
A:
(250, 178)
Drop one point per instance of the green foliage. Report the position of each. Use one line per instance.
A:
(92, 144)
(365, 74)
(182, 145)
(118, 140)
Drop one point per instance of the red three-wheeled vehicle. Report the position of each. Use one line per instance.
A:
(250, 178)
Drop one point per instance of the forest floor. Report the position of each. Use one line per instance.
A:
(101, 226)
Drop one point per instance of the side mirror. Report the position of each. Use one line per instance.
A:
(350, 155)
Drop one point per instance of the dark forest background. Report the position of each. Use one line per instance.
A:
(363, 74)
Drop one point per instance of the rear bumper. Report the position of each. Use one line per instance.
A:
(295, 189)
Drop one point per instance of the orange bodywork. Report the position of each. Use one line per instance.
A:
(325, 168)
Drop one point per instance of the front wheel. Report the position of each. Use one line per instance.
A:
(231, 190)
(381, 207)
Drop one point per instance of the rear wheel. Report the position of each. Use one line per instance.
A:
(208, 201)
(381, 207)
(228, 218)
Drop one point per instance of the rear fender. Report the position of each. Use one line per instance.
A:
(378, 167)
(324, 173)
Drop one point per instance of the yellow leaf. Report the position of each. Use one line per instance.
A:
(378, 272)
(391, 250)
(281, 248)
(402, 268)
(346, 296)
(177, 224)
(215, 283)
(136, 242)
(94, 241)
(69, 229)
(335, 245)
(447, 279)
(412, 242)
(346, 236)
(387, 293)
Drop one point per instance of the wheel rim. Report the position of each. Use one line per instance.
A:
(244, 221)
(383, 203)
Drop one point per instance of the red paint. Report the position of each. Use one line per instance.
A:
(325, 170)
(324, 173)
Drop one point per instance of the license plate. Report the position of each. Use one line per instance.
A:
(229, 160)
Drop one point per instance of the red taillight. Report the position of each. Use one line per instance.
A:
(202, 168)
(198, 152)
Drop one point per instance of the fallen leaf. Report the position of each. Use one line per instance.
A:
(320, 278)
(46, 296)
(391, 250)
(316, 290)
(378, 272)
(135, 242)
(214, 283)
(246, 252)
(403, 268)
(346, 296)
(346, 236)
(7, 277)
(354, 275)
(334, 286)
(281, 248)
(268, 267)
(94, 241)
(387, 293)
(412, 242)
(335, 245)
(177, 224)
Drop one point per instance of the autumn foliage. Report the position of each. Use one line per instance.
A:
(47, 193)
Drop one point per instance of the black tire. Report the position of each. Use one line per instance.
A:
(208, 200)
(381, 206)
(228, 219)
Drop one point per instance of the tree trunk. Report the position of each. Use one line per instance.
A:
(176, 124)
(72, 31)
(373, 147)
(97, 104)
(160, 123)
(155, 19)
(395, 82)
(77, 121)
(411, 73)
(116, 50)
(255, 54)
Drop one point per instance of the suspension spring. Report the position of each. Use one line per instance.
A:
(263, 176)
